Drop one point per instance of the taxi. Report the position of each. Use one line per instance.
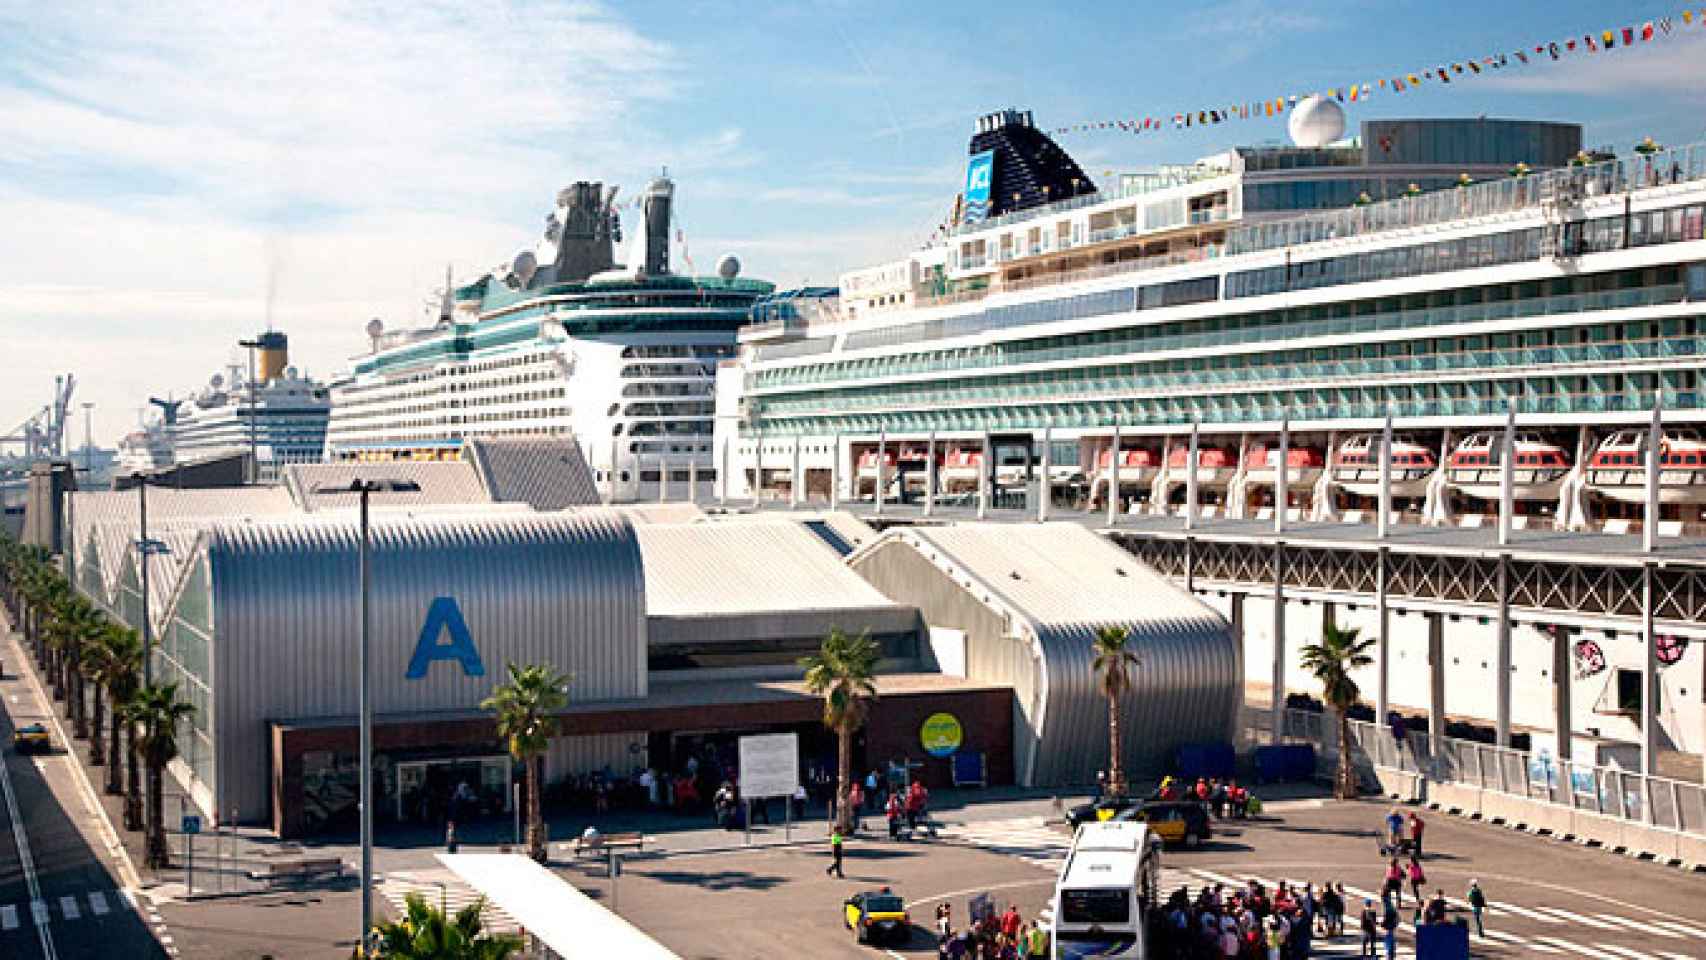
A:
(1174, 821)
(877, 915)
(32, 738)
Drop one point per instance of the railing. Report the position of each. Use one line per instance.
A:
(1136, 188)
(1605, 790)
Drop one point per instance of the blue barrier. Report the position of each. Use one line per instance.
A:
(1195, 761)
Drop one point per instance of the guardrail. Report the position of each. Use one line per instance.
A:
(1608, 791)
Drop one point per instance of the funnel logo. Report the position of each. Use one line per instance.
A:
(444, 616)
(980, 174)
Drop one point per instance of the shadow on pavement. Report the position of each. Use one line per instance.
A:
(719, 879)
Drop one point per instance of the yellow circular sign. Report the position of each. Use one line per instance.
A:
(941, 734)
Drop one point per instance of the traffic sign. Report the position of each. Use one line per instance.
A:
(192, 823)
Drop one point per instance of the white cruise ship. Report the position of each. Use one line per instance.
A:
(562, 342)
(1451, 273)
(281, 416)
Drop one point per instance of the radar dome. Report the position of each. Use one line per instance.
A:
(290, 373)
(217, 381)
(728, 267)
(375, 327)
(1316, 122)
(524, 266)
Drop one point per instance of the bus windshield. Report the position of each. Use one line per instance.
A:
(1095, 906)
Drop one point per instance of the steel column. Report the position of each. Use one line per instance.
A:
(882, 451)
(796, 482)
(758, 469)
(1044, 493)
(1649, 680)
(835, 473)
(1278, 678)
(1114, 479)
(1382, 640)
(723, 474)
(1436, 685)
(1507, 477)
(1282, 476)
(983, 471)
(693, 480)
(1563, 725)
(930, 475)
(1384, 503)
(1650, 519)
(1502, 707)
(1191, 478)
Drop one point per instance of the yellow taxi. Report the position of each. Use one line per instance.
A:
(32, 738)
(877, 915)
(1174, 821)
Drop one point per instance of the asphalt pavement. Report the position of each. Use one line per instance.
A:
(60, 898)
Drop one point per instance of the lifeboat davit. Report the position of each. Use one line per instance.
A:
(1137, 470)
(866, 470)
(1618, 469)
(1357, 466)
(1215, 465)
(959, 471)
(1303, 465)
(1476, 465)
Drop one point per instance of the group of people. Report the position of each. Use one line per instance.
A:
(1252, 923)
(992, 936)
(1226, 799)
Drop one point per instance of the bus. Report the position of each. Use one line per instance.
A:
(1106, 893)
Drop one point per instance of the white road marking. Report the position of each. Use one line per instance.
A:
(1578, 918)
(1639, 926)
(1578, 948)
(1682, 928)
(1543, 948)
(1626, 952)
(68, 906)
(8, 917)
(38, 910)
(28, 864)
(98, 903)
(1523, 912)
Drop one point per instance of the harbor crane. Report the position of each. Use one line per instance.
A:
(42, 434)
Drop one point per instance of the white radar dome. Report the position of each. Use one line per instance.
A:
(375, 327)
(216, 381)
(524, 266)
(728, 267)
(1316, 122)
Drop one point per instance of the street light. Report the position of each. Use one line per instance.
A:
(145, 548)
(254, 465)
(365, 488)
(88, 440)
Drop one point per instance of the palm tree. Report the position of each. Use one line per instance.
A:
(157, 711)
(128, 713)
(1113, 666)
(841, 672)
(426, 933)
(1332, 661)
(524, 706)
(120, 667)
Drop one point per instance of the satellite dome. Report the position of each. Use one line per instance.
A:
(728, 267)
(375, 327)
(524, 266)
(1316, 122)
(290, 373)
(216, 381)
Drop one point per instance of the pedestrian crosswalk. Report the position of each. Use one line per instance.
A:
(58, 908)
(1561, 932)
(441, 888)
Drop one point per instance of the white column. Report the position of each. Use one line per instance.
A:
(797, 482)
(613, 471)
(1385, 502)
(1278, 676)
(882, 453)
(1507, 477)
(1655, 439)
(723, 474)
(1282, 476)
(1114, 479)
(1382, 639)
(835, 473)
(758, 469)
(1502, 661)
(930, 473)
(983, 471)
(663, 479)
(693, 480)
(1563, 724)
(1191, 478)
(1043, 481)
(1649, 681)
(1436, 682)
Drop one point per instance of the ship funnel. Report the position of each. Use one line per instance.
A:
(274, 355)
(660, 194)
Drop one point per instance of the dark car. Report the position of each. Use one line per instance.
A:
(33, 738)
(877, 915)
(1174, 821)
(1106, 808)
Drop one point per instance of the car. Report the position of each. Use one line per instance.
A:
(32, 738)
(1107, 808)
(877, 915)
(1174, 821)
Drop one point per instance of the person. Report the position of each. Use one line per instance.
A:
(1389, 929)
(944, 922)
(1217, 798)
(872, 796)
(1201, 790)
(856, 806)
(450, 836)
(1416, 827)
(1229, 938)
(1435, 912)
(1332, 911)
(1036, 946)
(1417, 878)
(894, 816)
(800, 802)
(1477, 905)
(917, 800)
(1369, 926)
(1101, 784)
(1394, 827)
(1393, 889)
(835, 852)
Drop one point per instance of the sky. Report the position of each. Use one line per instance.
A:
(175, 175)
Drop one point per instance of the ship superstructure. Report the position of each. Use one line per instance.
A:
(278, 414)
(561, 341)
(1506, 272)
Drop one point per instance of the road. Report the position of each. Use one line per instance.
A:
(59, 898)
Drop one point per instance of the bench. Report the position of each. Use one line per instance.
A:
(609, 841)
(303, 869)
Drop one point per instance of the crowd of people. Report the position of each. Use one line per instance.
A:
(990, 936)
(1225, 799)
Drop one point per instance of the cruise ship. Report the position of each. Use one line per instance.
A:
(1456, 281)
(561, 341)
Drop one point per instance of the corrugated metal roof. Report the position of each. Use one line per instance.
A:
(441, 481)
(1059, 583)
(839, 530)
(679, 511)
(548, 473)
(717, 569)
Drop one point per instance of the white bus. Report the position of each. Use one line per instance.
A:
(1107, 892)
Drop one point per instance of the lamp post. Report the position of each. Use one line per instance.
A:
(254, 465)
(88, 440)
(145, 548)
(364, 489)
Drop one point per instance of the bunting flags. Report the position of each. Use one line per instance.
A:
(1402, 82)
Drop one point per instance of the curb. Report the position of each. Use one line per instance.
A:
(1645, 856)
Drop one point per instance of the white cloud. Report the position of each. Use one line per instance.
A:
(1667, 65)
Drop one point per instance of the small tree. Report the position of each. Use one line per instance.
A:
(426, 933)
(843, 673)
(157, 711)
(1113, 665)
(524, 706)
(1331, 661)
(121, 672)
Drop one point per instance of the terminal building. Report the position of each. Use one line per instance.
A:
(681, 629)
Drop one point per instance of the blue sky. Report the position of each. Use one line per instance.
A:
(168, 164)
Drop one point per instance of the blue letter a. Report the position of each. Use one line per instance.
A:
(445, 615)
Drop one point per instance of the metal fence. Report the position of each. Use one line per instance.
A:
(1606, 790)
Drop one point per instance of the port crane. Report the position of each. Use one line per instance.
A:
(42, 434)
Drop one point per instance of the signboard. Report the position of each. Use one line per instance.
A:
(980, 176)
(941, 734)
(192, 823)
(769, 765)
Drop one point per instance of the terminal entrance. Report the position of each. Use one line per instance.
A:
(478, 786)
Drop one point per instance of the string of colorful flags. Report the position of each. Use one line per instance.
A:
(1400, 82)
